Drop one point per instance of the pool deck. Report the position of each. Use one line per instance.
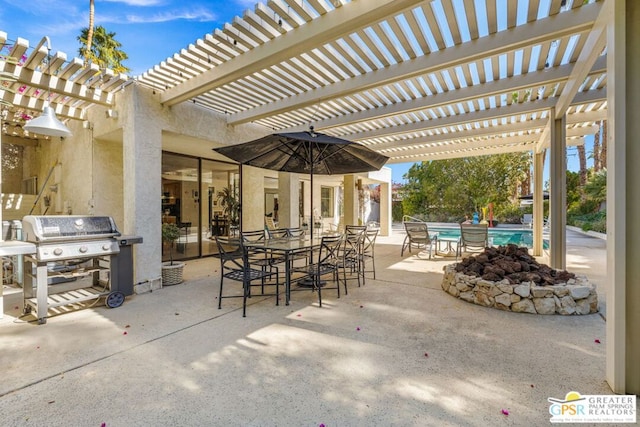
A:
(397, 351)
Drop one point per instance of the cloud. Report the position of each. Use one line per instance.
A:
(195, 15)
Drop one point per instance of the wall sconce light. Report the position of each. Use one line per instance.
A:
(47, 123)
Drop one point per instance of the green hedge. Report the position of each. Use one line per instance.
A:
(596, 221)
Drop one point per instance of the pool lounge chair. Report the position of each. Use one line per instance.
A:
(472, 236)
(418, 237)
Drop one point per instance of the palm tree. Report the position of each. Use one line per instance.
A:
(105, 49)
(87, 50)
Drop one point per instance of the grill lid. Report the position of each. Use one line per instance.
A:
(42, 228)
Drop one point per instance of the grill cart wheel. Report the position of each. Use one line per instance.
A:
(114, 299)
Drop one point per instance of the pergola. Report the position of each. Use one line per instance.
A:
(416, 80)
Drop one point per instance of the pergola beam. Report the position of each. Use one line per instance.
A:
(595, 44)
(513, 39)
(513, 84)
(319, 31)
(462, 119)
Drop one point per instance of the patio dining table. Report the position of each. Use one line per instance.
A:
(287, 247)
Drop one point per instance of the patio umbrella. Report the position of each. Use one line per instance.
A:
(545, 196)
(306, 152)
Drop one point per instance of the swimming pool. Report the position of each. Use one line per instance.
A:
(497, 236)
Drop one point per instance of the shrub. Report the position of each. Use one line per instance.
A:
(508, 214)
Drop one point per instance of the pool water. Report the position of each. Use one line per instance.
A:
(500, 237)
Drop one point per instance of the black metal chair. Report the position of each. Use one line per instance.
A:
(472, 236)
(278, 233)
(325, 263)
(368, 251)
(297, 232)
(418, 237)
(350, 255)
(259, 257)
(235, 265)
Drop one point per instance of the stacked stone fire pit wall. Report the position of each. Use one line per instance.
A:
(538, 290)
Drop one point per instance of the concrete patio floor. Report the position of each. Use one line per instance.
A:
(398, 351)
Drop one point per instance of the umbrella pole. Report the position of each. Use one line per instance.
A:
(311, 218)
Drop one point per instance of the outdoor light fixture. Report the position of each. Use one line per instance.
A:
(47, 123)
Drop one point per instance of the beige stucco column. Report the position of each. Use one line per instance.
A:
(385, 209)
(288, 200)
(350, 202)
(142, 161)
(558, 193)
(623, 197)
(538, 202)
(252, 198)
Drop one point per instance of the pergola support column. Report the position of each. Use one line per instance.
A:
(623, 198)
(558, 193)
(288, 200)
(538, 202)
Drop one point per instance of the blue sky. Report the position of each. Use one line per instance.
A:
(150, 30)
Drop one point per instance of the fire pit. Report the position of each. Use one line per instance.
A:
(508, 278)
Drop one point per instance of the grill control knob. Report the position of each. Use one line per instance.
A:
(106, 247)
(83, 249)
(57, 251)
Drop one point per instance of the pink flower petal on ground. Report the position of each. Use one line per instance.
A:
(321, 425)
(124, 333)
(299, 315)
(358, 328)
(426, 355)
(103, 425)
(597, 341)
(505, 412)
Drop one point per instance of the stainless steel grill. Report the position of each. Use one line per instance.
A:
(73, 250)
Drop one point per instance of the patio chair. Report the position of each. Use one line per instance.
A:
(325, 263)
(261, 258)
(235, 265)
(350, 255)
(368, 252)
(527, 219)
(418, 237)
(277, 233)
(472, 236)
(270, 223)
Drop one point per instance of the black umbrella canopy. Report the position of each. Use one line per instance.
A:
(299, 151)
(545, 196)
(306, 152)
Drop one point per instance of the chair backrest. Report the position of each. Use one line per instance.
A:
(329, 249)
(370, 236)
(230, 250)
(277, 233)
(270, 223)
(417, 230)
(527, 219)
(355, 229)
(474, 235)
(252, 236)
(295, 232)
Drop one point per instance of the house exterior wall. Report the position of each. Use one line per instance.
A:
(112, 166)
